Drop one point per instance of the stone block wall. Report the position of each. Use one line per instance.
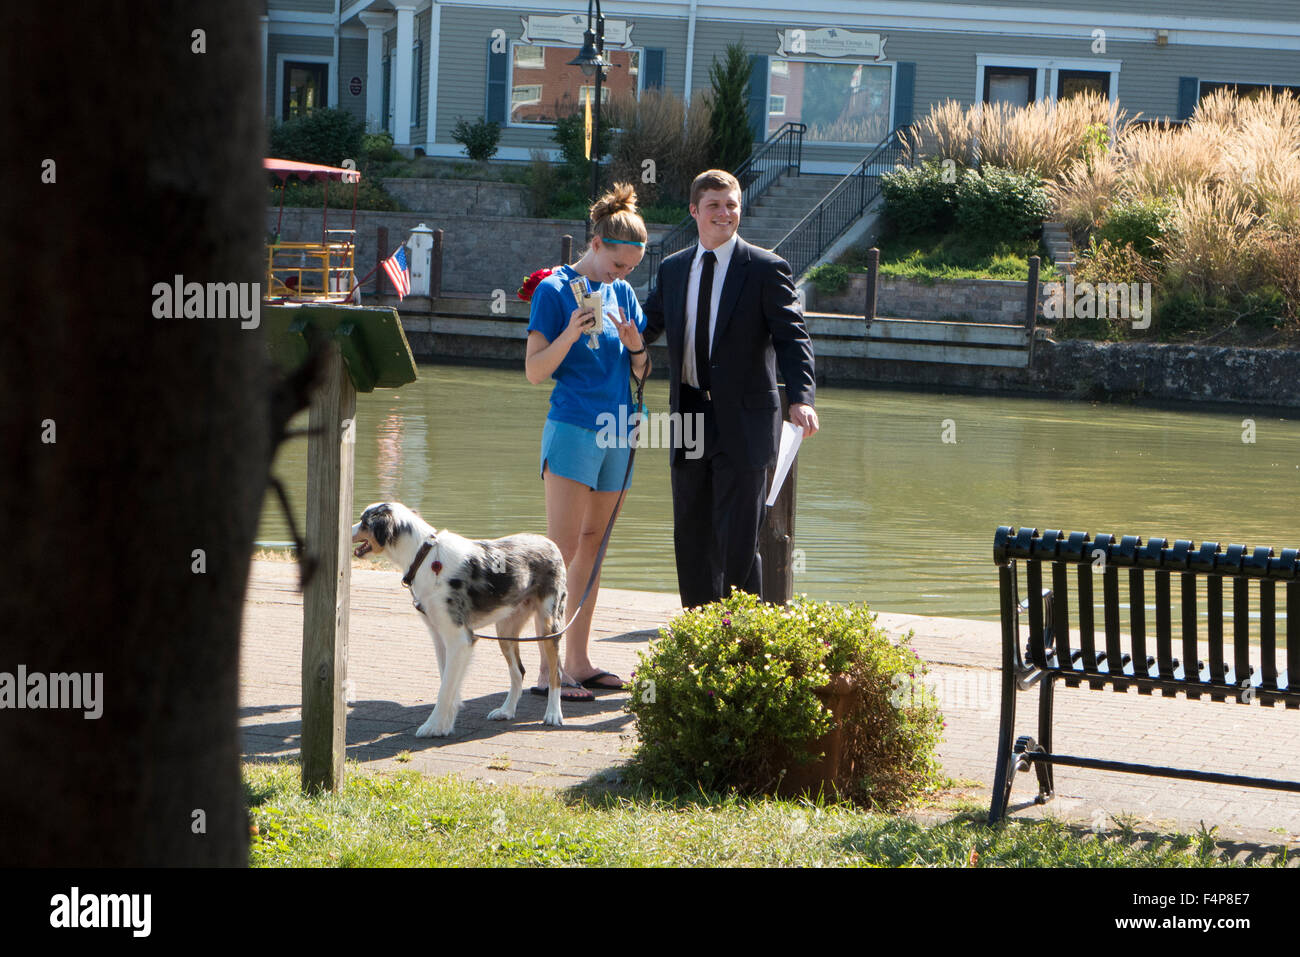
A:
(979, 300)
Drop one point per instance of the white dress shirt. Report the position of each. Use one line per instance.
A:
(723, 254)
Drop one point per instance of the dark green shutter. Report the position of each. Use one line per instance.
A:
(758, 98)
(652, 66)
(904, 93)
(1189, 88)
(496, 86)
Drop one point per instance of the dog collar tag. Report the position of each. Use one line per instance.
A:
(437, 567)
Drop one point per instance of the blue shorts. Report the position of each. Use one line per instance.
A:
(572, 452)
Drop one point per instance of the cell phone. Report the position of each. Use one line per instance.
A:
(596, 304)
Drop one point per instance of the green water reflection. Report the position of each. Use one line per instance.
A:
(889, 512)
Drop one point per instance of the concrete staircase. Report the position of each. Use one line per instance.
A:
(1059, 247)
(779, 209)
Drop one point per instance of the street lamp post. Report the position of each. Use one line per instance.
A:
(592, 61)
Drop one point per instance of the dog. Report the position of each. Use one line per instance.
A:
(461, 586)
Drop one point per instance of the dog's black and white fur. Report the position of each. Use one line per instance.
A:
(464, 585)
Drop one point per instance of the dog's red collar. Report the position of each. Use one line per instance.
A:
(409, 577)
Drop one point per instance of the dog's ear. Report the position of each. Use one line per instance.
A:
(380, 522)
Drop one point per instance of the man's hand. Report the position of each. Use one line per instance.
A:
(804, 415)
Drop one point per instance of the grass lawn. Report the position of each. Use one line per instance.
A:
(408, 820)
(928, 256)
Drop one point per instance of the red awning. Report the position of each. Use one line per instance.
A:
(310, 171)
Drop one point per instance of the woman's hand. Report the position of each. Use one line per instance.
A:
(581, 322)
(628, 332)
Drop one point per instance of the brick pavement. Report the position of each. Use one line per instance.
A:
(393, 682)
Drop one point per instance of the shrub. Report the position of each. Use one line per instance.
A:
(1045, 138)
(378, 148)
(660, 127)
(1140, 223)
(321, 136)
(570, 135)
(479, 138)
(543, 183)
(726, 699)
(829, 278)
(732, 138)
(1000, 204)
(919, 198)
(370, 195)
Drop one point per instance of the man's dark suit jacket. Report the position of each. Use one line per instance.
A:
(759, 326)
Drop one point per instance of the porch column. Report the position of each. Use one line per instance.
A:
(435, 41)
(402, 95)
(377, 24)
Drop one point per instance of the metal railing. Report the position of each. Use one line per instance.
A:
(780, 153)
(309, 272)
(847, 201)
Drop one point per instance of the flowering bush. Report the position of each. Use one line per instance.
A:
(727, 698)
(525, 292)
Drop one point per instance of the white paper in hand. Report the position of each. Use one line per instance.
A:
(791, 437)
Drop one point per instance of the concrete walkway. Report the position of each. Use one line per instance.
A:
(393, 685)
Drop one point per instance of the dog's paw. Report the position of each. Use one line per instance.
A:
(500, 714)
(555, 720)
(434, 729)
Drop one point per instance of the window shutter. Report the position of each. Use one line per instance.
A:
(652, 68)
(496, 86)
(758, 98)
(1189, 88)
(904, 92)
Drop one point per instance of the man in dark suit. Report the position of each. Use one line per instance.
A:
(722, 371)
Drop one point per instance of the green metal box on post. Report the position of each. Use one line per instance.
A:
(367, 350)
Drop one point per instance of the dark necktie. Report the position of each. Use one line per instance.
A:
(702, 303)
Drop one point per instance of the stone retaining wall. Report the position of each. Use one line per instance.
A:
(455, 197)
(1083, 369)
(980, 300)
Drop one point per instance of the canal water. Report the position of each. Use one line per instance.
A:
(899, 495)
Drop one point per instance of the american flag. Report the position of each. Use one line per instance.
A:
(399, 272)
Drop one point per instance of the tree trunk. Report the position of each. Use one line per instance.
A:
(160, 426)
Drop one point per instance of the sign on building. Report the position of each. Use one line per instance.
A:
(829, 42)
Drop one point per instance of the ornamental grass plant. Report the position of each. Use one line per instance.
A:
(727, 700)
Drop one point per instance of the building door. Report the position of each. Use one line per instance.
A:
(306, 88)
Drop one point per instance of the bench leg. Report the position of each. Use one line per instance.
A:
(1046, 787)
(1006, 766)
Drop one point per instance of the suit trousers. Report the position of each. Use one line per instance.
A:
(717, 509)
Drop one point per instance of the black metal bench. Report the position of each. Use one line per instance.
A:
(1049, 654)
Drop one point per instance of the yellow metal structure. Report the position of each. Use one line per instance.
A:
(310, 272)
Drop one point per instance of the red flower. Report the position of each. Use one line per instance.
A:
(525, 292)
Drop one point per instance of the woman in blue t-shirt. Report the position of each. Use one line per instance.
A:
(585, 443)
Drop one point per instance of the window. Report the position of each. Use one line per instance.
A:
(530, 57)
(1247, 91)
(306, 87)
(1010, 84)
(525, 96)
(839, 102)
(585, 94)
(544, 87)
(1073, 82)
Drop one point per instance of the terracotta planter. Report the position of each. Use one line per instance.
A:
(818, 774)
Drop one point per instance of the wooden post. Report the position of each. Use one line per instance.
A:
(435, 270)
(330, 451)
(873, 269)
(566, 249)
(1031, 304)
(776, 534)
(383, 254)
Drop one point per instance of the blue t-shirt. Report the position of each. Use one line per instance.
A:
(588, 381)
